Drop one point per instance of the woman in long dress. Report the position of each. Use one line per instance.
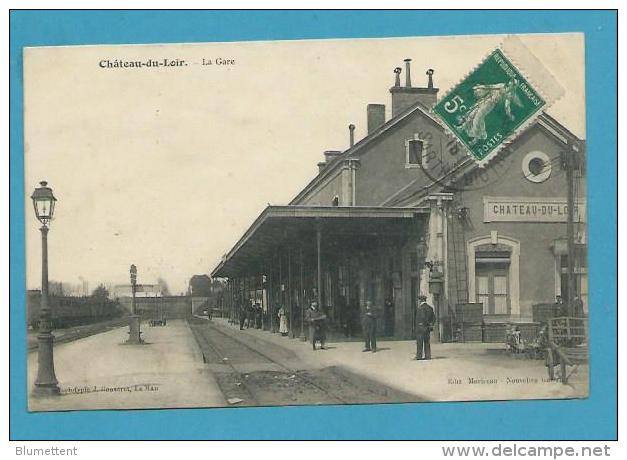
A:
(283, 321)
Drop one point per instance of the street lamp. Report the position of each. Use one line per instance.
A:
(134, 333)
(133, 272)
(46, 383)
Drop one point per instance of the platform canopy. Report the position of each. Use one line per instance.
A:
(291, 227)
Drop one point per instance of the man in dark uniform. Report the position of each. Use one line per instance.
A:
(578, 308)
(425, 318)
(258, 315)
(242, 316)
(316, 320)
(560, 307)
(370, 328)
(250, 314)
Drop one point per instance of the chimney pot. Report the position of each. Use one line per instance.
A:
(406, 96)
(321, 166)
(407, 73)
(351, 130)
(397, 81)
(430, 73)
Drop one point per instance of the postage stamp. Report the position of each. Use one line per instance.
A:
(487, 108)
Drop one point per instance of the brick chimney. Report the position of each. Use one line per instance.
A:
(330, 155)
(406, 96)
(376, 116)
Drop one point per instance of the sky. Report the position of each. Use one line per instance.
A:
(166, 168)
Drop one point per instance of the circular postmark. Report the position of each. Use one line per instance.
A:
(446, 162)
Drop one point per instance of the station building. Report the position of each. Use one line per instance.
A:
(405, 211)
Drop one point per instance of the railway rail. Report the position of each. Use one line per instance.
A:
(78, 332)
(254, 377)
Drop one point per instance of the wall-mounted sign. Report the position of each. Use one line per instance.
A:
(530, 209)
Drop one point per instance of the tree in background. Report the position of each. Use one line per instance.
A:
(100, 293)
(200, 286)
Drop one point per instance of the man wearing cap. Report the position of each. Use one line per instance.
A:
(425, 318)
(370, 327)
(560, 307)
(316, 320)
(243, 313)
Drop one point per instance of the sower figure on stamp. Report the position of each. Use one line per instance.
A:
(370, 327)
(316, 320)
(425, 318)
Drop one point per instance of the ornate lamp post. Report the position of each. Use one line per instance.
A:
(46, 383)
(134, 333)
(133, 272)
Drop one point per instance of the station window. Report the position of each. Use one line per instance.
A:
(414, 153)
(536, 166)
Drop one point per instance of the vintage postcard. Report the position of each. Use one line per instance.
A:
(306, 222)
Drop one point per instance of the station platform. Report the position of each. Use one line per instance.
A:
(456, 372)
(99, 372)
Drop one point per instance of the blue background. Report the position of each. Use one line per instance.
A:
(593, 418)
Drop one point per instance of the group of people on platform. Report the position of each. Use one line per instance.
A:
(561, 308)
(251, 315)
(425, 319)
(316, 320)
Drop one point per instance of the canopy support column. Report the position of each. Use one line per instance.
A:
(270, 293)
(319, 256)
(280, 278)
(290, 291)
(301, 295)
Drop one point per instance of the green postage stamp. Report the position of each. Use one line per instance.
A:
(489, 106)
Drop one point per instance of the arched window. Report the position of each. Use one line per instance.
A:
(493, 274)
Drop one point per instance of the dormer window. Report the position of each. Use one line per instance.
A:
(414, 152)
(335, 201)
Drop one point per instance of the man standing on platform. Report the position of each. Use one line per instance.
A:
(243, 311)
(317, 327)
(425, 318)
(560, 307)
(370, 328)
(578, 307)
(258, 315)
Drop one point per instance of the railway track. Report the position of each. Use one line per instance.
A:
(254, 377)
(79, 332)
